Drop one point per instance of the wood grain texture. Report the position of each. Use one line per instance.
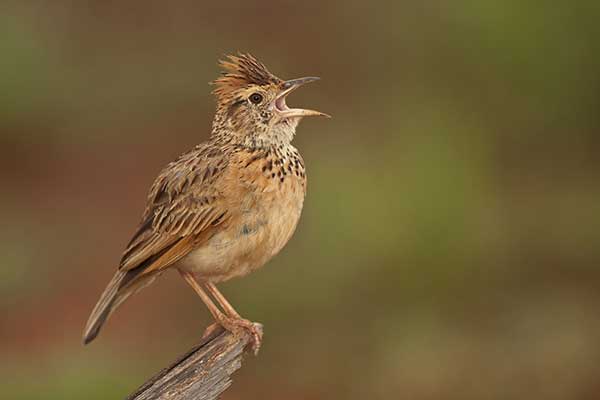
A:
(203, 373)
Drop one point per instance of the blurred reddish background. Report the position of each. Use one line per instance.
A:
(449, 246)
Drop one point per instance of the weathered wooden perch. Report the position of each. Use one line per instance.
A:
(201, 374)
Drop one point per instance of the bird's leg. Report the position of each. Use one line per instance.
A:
(232, 322)
(235, 321)
(216, 293)
(214, 310)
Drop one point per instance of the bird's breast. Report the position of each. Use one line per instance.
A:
(267, 208)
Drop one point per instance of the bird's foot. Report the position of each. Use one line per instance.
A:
(212, 331)
(241, 326)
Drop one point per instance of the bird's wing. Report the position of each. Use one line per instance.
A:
(184, 208)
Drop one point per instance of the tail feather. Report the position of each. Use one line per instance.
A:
(121, 286)
(105, 306)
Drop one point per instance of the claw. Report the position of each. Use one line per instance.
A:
(237, 325)
(257, 333)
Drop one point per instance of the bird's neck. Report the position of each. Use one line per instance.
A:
(278, 136)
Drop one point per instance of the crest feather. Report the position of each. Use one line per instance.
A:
(239, 71)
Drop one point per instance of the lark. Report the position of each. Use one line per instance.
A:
(225, 208)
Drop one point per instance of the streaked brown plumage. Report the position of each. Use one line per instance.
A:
(226, 207)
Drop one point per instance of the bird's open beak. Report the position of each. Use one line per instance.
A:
(288, 87)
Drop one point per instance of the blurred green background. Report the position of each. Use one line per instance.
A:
(449, 246)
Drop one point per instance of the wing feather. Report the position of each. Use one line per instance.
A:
(184, 209)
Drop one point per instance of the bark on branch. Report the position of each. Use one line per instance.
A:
(203, 373)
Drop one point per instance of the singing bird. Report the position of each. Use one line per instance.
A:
(225, 208)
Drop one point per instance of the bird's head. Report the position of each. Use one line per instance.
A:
(252, 103)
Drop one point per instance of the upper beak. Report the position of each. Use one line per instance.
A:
(288, 87)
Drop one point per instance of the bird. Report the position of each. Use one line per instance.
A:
(225, 208)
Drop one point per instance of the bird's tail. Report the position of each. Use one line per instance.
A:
(120, 287)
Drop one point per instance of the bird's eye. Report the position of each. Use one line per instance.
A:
(256, 98)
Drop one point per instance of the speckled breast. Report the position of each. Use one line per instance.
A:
(271, 190)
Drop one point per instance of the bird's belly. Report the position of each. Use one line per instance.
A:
(251, 240)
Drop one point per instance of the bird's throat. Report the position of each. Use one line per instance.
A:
(251, 135)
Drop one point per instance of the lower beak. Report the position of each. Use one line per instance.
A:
(288, 87)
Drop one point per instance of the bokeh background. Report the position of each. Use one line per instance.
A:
(449, 246)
